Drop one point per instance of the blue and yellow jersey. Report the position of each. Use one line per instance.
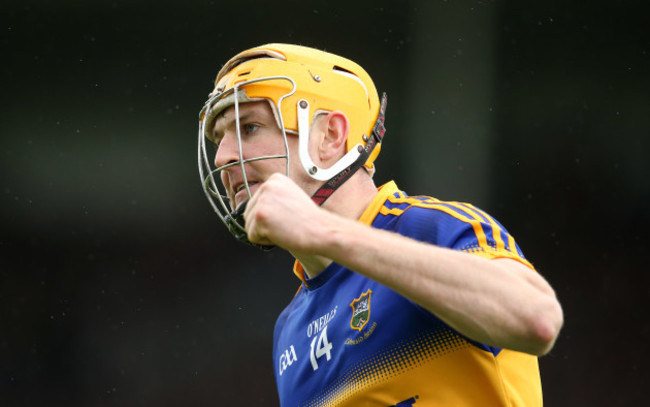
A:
(346, 340)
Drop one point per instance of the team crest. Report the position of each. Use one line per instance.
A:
(360, 311)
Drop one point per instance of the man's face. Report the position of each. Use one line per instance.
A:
(260, 136)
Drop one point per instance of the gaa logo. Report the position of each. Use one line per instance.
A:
(287, 358)
(360, 311)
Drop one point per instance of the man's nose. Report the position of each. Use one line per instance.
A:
(227, 151)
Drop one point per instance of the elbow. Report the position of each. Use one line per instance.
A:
(546, 328)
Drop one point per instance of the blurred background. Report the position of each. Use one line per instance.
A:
(120, 287)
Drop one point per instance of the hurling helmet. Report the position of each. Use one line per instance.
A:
(299, 83)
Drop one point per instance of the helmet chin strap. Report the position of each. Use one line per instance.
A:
(378, 131)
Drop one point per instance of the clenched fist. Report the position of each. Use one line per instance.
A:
(282, 214)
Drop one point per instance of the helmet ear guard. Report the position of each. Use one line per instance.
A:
(377, 135)
(311, 81)
(320, 174)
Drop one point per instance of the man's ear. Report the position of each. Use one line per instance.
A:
(335, 127)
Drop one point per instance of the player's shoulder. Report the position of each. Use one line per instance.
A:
(431, 219)
(420, 208)
(451, 224)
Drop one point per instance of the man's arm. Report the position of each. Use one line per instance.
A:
(498, 302)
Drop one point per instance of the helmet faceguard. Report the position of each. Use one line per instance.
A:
(299, 83)
(212, 184)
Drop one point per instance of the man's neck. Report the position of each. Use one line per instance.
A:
(349, 201)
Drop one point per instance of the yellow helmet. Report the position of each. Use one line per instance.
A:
(326, 81)
(298, 82)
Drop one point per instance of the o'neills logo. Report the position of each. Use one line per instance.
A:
(360, 311)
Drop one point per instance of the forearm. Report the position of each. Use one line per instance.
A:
(497, 302)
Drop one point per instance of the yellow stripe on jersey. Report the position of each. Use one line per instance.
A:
(511, 243)
(496, 234)
(474, 219)
(377, 203)
(438, 205)
(496, 229)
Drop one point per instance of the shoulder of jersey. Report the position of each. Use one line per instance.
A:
(443, 222)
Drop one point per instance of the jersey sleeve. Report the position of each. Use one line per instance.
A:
(459, 226)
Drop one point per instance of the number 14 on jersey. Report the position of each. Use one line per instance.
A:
(320, 348)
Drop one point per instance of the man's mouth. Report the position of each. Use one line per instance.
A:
(241, 196)
(243, 186)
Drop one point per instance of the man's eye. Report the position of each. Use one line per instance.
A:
(249, 128)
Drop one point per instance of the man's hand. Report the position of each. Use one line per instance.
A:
(282, 214)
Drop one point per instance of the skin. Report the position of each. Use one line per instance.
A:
(260, 136)
(499, 302)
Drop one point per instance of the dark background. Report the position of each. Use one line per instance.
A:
(119, 287)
